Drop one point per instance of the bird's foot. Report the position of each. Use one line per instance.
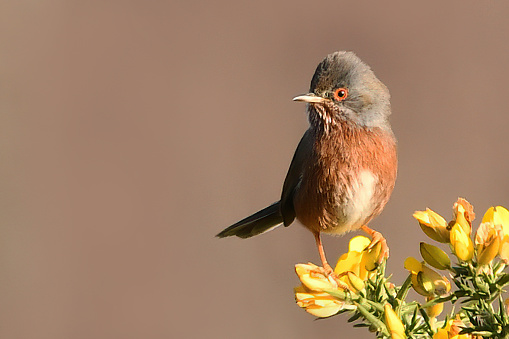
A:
(328, 269)
(334, 277)
(377, 238)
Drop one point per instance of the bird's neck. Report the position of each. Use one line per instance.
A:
(326, 119)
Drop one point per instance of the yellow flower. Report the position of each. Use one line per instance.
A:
(356, 265)
(487, 241)
(425, 281)
(312, 295)
(394, 324)
(463, 215)
(441, 334)
(355, 284)
(434, 256)
(435, 310)
(319, 304)
(433, 225)
(503, 251)
(314, 277)
(499, 216)
(461, 243)
(451, 330)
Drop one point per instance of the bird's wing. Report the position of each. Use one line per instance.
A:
(294, 176)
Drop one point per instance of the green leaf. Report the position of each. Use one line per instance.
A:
(503, 280)
(380, 326)
(356, 316)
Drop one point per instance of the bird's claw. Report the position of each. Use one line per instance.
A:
(377, 238)
(328, 269)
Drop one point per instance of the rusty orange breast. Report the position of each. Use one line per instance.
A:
(348, 179)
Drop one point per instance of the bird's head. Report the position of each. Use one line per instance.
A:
(345, 89)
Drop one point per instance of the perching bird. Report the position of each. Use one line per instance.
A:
(344, 168)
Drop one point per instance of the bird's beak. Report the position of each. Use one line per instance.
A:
(309, 98)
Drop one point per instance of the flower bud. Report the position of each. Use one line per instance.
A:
(425, 281)
(355, 284)
(464, 215)
(433, 225)
(435, 310)
(434, 256)
(461, 243)
(394, 324)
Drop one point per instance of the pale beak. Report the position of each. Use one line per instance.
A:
(309, 98)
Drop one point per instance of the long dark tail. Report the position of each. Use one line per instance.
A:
(258, 223)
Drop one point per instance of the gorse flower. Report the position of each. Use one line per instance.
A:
(352, 269)
(499, 217)
(463, 215)
(314, 278)
(394, 324)
(491, 238)
(434, 310)
(360, 260)
(434, 256)
(319, 304)
(487, 242)
(312, 295)
(433, 224)
(475, 284)
(451, 331)
(461, 242)
(425, 281)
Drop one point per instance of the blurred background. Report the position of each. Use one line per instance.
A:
(131, 132)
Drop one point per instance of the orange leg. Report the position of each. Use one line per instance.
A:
(325, 264)
(377, 237)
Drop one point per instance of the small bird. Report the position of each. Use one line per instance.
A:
(344, 169)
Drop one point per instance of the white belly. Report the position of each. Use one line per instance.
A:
(358, 203)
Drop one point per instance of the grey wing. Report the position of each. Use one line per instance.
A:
(294, 176)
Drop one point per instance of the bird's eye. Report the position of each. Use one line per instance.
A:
(340, 94)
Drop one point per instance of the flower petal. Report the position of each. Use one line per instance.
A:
(358, 243)
(413, 265)
(394, 324)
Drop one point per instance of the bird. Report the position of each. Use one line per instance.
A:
(345, 166)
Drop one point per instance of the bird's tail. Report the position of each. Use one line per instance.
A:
(258, 223)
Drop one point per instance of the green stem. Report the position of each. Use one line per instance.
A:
(403, 291)
(437, 301)
(373, 304)
(341, 295)
(372, 319)
(426, 319)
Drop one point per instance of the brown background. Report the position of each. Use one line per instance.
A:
(131, 132)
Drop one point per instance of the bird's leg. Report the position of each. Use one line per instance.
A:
(377, 237)
(328, 269)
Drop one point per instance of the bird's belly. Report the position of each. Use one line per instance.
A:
(355, 205)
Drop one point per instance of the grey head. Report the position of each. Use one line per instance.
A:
(345, 89)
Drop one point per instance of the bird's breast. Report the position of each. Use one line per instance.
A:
(348, 180)
(357, 201)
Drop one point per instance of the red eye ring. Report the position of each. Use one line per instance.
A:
(340, 94)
